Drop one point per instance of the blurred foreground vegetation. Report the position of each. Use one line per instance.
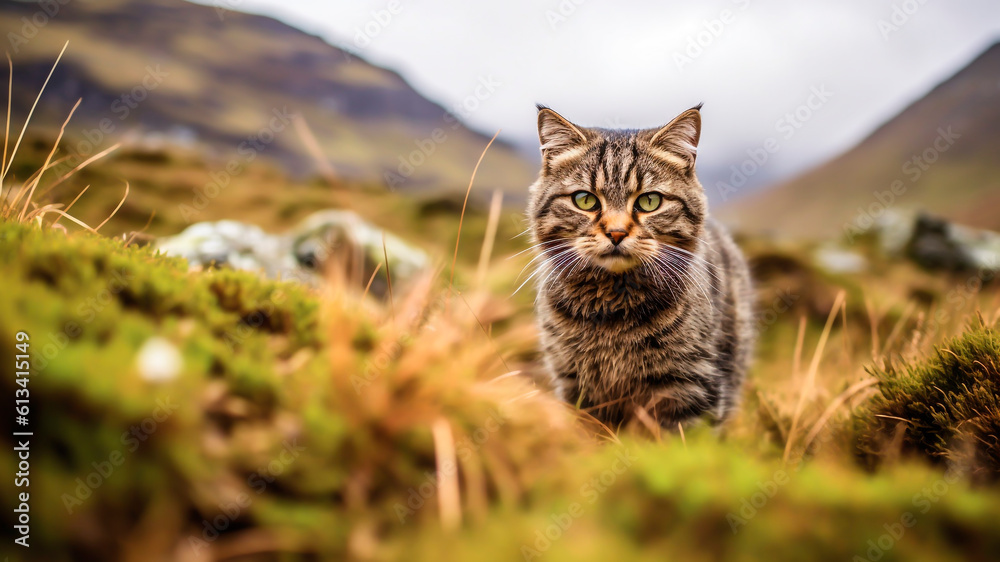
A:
(321, 424)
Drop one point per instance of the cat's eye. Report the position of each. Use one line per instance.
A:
(648, 202)
(585, 200)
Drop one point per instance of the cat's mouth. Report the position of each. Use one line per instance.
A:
(617, 260)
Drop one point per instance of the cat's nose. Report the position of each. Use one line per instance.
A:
(616, 236)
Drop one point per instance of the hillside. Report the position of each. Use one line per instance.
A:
(939, 154)
(167, 71)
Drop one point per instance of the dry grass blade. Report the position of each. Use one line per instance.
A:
(115, 212)
(136, 234)
(800, 340)
(388, 278)
(589, 418)
(370, 279)
(80, 166)
(505, 376)
(48, 161)
(906, 421)
(873, 322)
(305, 133)
(73, 202)
(6, 131)
(897, 330)
(13, 153)
(773, 415)
(72, 219)
(846, 340)
(461, 219)
(447, 475)
(485, 331)
(491, 233)
(11, 203)
(654, 428)
(810, 381)
(837, 402)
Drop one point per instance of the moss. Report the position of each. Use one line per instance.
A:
(945, 407)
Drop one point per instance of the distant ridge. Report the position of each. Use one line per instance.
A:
(180, 73)
(940, 154)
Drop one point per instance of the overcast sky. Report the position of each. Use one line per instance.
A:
(639, 63)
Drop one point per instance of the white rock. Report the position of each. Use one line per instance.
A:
(159, 360)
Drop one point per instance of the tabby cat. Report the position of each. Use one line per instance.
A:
(644, 303)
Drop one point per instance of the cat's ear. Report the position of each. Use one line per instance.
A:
(557, 135)
(679, 138)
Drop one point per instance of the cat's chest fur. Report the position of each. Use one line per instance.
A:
(614, 336)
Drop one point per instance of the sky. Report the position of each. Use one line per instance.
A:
(786, 84)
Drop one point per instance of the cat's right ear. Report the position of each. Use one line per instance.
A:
(558, 136)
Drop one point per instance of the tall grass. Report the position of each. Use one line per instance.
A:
(18, 201)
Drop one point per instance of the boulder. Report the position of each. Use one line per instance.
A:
(938, 244)
(324, 238)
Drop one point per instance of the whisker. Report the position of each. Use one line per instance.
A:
(688, 255)
(533, 246)
(541, 267)
(686, 273)
(541, 254)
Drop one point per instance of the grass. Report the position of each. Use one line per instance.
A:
(945, 407)
(308, 423)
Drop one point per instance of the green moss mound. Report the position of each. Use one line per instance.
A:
(318, 426)
(945, 407)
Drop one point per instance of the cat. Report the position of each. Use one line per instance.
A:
(643, 302)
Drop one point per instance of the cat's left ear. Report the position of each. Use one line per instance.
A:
(557, 135)
(679, 138)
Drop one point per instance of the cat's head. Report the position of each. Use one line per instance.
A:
(617, 199)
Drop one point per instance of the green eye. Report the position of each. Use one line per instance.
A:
(648, 202)
(585, 200)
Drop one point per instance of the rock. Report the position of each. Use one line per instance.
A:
(233, 244)
(935, 243)
(837, 260)
(302, 253)
(343, 233)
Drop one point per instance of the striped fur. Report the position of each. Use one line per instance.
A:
(661, 321)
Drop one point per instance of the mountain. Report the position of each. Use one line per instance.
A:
(175, 73)
(941, 154)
